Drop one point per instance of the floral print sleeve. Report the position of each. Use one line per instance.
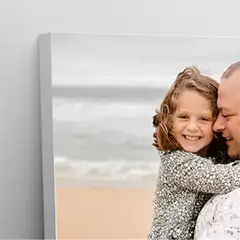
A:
(220, 218)
(192, 172)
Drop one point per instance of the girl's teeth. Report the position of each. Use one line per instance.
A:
(192, 138)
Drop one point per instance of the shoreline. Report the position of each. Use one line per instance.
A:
(134, 184)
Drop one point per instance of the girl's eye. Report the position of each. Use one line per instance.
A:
(205, 119)
(182, 116)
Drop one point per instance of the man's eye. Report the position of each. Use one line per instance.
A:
(226, 116)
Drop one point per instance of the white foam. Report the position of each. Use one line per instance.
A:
(113, 170)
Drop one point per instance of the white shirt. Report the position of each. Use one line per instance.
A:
(220, 218)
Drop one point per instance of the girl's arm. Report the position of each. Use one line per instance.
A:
(190, 171)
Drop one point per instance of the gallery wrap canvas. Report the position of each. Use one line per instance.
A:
(99, 93)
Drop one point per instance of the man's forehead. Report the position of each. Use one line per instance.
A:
(229, 92)
(232, 81)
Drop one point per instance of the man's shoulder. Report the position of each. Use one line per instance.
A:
(223, 204)
(231, 198)
(220, 217)
(228, 197)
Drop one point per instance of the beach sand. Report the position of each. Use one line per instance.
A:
(103, 212)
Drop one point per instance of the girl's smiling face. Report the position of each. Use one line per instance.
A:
(193, 121)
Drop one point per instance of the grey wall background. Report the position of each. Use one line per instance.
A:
(21, 22)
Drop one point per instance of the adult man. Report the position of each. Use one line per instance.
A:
(220, 217)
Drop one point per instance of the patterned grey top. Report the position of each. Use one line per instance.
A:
(185, 182)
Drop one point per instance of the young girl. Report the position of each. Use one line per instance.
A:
(193, 166)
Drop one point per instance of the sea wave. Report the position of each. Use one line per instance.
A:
(81, 111)
(112, 170)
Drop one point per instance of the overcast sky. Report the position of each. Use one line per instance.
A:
(135, 60)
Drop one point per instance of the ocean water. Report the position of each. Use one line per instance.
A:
(105, 135)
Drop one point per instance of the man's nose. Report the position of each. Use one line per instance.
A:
(219, 124)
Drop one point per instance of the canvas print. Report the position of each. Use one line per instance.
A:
(104, 92)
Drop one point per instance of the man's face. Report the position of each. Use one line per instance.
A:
(228, 121)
